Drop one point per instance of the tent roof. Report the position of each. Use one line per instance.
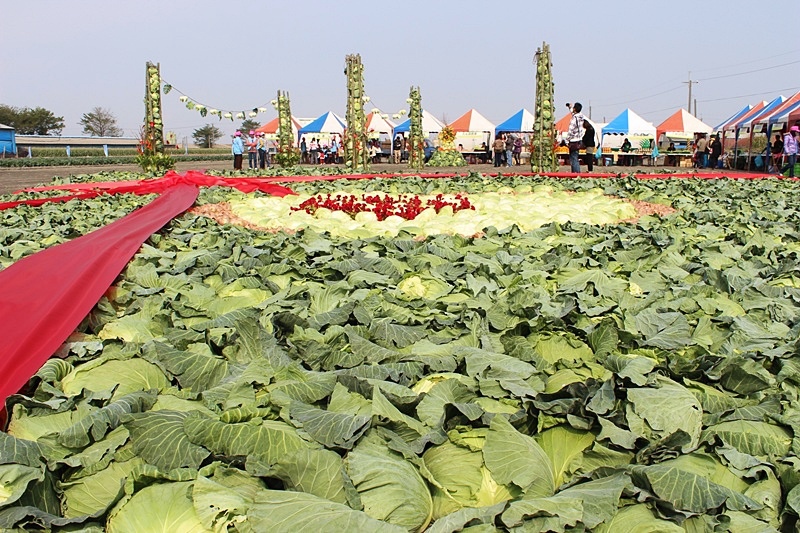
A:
(375, 122)
(562, 125)
(787, 114)
(521, 121)
(328, 122)
(755, 110)
(629, 123)
(430, 124)
(771, 116)
(272, 126)
(472, 121)
(734, 117)
(682, 122)
(766, 111)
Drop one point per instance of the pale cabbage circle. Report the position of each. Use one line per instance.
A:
(528, 209)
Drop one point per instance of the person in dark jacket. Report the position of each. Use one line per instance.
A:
(589, 144)
(716, 151)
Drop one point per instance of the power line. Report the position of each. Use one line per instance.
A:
(750, 71)
(749, 95)
(740, 63)
(640, 99)
(712, 78)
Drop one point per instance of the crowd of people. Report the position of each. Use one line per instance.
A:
(506, 149)
(319, 152)
(778, 157)
(257, 147)
(706, 154)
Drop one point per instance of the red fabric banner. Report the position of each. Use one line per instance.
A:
(45, 296)
(156, 185)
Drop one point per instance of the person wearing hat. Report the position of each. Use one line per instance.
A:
(790, 149)
(252, 150)
(237, 149)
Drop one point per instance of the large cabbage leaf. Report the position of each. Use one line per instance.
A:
(165, 507)
(391, 489)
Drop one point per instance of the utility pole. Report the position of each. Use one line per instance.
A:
(690, 82)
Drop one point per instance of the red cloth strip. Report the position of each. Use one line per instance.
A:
(45, 296)
(158, 185)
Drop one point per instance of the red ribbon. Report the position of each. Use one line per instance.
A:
(45, 296)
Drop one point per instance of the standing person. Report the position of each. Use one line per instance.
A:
(397, 149)
(790, 149)
(373, 151)
(237, 149)
(303, 150)
(653, 151)
(334, 151)
(574, 136)
(716, 151)
(518, 150)
(314, 147)
(509, 150)
(262, 151)
(777, 151)
(252, 150)
(702, 151)
(588, 143)
(499, 146)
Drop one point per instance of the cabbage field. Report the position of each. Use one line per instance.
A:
(525, 354)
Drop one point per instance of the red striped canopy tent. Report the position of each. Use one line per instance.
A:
(682, 125)
(472, 121)
(272, 127)
(471, 129)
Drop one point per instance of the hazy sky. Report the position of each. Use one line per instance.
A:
(70, 57)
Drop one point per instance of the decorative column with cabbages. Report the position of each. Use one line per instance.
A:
(355, 143)
(543, 155)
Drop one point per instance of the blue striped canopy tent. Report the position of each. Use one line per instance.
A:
(629, 123)
(733, 118)
(326, 123)
(519, 122)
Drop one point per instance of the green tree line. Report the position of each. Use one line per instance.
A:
(31, 121)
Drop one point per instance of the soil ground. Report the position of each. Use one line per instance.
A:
(14, 179)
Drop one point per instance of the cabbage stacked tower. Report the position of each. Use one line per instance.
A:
(543, 157)
(357, 154)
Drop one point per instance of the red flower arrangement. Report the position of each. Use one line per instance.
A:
(405, 206)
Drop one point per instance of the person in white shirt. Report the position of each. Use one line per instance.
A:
(574, 136)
